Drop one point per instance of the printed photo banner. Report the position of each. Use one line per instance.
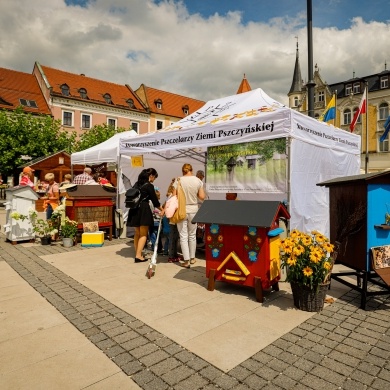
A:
(252, 167)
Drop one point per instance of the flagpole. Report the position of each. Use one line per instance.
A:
(366, 103)
(335, 108)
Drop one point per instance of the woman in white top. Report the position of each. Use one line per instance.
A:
(193, 190)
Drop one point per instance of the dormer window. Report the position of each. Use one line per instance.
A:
(28, 103)
(356, 88)
(296, 101)
(107, 98)
(130, 102)
(348, 89)
(64, 90)
(384, 82)
(186, 110)
(83, 93)
(158, 103)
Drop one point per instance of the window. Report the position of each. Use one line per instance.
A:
(158, 103)
(383, 111)
(83, 93)
(186, 110)
(384, 82)
(317, 116)
(107, 98)
(28, 103)
(383, 146)
(296, 101)
(347, 116)
(321, 96)
(356, 88)
(111, 122)
(359, 119)
(159, 125)
(130, 102)
(65, 90)
(85, 121)
(134, 126)
(67, 118)
(348, 89)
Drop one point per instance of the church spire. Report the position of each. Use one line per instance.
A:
(244, 86)
(296, 85)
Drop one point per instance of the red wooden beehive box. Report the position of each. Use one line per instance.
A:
(242, 242)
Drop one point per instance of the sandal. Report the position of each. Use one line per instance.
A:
(173, 260)
(184, 265)
(192, 261)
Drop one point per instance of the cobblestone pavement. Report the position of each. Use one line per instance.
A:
(343, 347)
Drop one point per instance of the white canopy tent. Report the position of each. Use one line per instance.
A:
(108, 152)
(316, 151)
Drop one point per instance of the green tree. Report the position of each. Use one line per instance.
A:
(95, 136)
(32, 135)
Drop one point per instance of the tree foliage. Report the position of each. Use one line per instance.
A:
(26, 134)
(95, 136)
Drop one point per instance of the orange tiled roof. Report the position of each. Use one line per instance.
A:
(16, 85)
(244, 86)
(95, 89)
(172, 104)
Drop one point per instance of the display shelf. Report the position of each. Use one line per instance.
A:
(382, 226)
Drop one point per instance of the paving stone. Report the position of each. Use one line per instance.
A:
(211, 373)
(197, 363)
(123, 337)
(134, 343)
(255, 382)
(143, 377)
(194, 382)
(226, 382)
(177, 375)
(165, 366)
(144, 350)
(240, 373)
(122, 359)
(132, 367)
(153, 358)
(114, 351)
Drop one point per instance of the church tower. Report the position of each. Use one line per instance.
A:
(297, 90)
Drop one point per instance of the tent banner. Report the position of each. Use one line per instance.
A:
(248, 127)
(252, 167)
(321, 134)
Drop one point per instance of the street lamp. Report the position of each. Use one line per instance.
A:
(310, 84)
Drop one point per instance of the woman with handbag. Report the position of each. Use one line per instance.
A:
(193, 190)
(52, 196)
(141, 218)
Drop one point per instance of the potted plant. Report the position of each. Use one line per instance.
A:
(68, 232)
(309, 263)
(44, 229)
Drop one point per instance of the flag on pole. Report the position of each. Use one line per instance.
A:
(360, 110)
(387, 129)
(330, 111)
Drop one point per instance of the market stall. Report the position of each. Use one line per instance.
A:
(314, 151)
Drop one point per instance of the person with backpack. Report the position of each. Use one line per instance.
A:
(140, 215)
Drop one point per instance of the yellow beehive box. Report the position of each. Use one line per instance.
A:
(92, 239)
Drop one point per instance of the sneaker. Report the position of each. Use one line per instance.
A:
(173, 260)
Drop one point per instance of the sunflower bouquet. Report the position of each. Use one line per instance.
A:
(307, 258)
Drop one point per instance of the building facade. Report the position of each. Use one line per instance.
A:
(349, 94)
(166, 108)
(81, 102)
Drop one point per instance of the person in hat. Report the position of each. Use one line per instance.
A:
(27, 178)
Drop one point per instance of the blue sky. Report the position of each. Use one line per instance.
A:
(196, 48)
(326, 13)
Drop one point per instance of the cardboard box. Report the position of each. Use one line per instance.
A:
(92, 239)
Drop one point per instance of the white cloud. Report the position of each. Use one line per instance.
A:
(162, 46)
